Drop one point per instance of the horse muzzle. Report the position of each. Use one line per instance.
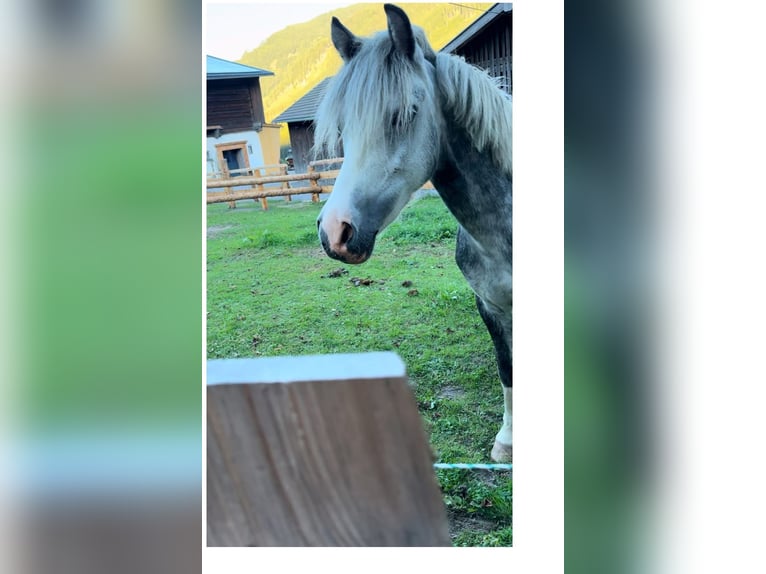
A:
(343, 241)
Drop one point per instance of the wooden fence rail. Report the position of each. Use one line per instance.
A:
(330, 161)
(257, 183)
(258, 177)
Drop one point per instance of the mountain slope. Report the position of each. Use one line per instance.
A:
(302, 55)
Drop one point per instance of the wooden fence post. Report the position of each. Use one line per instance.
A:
(259, 187)
(285, 184)
(325, 450)
(227, 175)
(314, 196)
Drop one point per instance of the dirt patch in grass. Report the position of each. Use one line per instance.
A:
(451, 392)
(214, 230)
(336, 273)
(460, 522)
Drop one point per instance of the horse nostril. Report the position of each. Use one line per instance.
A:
(346, 234)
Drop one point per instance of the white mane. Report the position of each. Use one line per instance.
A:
(478, 103)
(359, 99)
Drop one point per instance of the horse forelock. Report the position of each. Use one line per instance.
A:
(377, 87)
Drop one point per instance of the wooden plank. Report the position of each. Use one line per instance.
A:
(254, 180)
(329, 174)
(218, 175)
(221, 197)
(328, 161)
(318, 451)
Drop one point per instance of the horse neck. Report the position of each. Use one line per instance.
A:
(475, 190)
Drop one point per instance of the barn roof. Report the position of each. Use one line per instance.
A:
(220, 69)
(305, 108)
(478, 25)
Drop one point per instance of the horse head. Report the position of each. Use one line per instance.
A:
(383, 106)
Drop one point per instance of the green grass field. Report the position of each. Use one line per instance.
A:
(271, 290)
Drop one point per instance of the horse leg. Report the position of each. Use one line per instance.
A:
(502, 450)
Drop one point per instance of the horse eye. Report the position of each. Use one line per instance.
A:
(396, 120)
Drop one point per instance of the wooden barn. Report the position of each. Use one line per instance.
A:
(238, 136)
(300, 122)
(488, 43)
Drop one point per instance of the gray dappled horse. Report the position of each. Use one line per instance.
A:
(405, 115)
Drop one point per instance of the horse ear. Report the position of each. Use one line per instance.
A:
(344, 40)
(400, 30)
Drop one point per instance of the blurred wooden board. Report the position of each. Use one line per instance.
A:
(318, 451)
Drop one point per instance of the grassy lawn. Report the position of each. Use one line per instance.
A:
(271, 290)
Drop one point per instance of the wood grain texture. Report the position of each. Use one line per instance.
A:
(333, 461)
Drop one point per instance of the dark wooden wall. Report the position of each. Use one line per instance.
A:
(492, 49)
(235, 105)
(302, 142)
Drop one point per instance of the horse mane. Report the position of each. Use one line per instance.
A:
(359, 97)
(476, 102)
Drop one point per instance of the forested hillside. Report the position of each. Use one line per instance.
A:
(302, 55)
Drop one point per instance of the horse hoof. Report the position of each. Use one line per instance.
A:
(502, 452)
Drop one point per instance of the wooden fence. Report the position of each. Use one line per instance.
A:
(257, 179)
